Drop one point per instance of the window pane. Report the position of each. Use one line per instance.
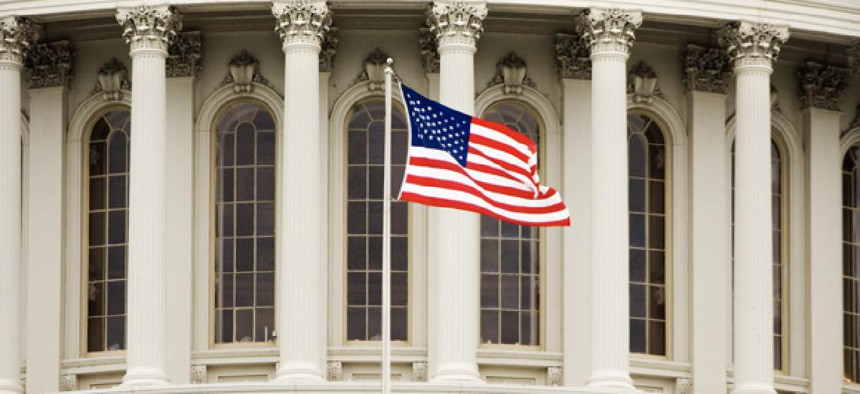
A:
(97, 193)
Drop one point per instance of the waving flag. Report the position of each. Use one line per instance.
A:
(462, 162)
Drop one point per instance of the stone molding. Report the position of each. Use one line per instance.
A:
(112, 80)
(642, 83)
(243, 72)
(706, 69)
(49, 65)
(149, 27)
(821, 86)
(302, 21)
(609, 30)
(184, 54)
(334, 371)
(419, 372)
(199, 374)
(429, 52)
(752, 44)
(374, 70)
(683, 386)
(69, 382)
(328, 49)
(457, 22)
(17, 35)
(554, 376)
(572, 56)
(511, 72)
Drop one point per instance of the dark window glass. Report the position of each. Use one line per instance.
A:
(850, 266)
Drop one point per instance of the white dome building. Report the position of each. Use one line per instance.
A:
(191, 201)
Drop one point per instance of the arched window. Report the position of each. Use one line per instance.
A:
(510, 256)
(244, 296)
(850, 266)
(779, 214)
(365, 146)
(648, 162)
(107, 163)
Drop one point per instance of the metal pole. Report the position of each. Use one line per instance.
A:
(386, 239)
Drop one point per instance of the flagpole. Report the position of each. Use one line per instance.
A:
(386, 239)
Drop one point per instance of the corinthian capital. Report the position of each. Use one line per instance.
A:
(183, 55)
(573, 57)
(302, 21)
(50, 65)
(609, 30)
(706, 69)
(16, 36)
(147, 27)
(752, 44)
(457, 22)
(821, 86)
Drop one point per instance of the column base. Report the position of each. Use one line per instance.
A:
(10, 386)
(611, 379)
(753, 388)
(145, 377)
(457, 373)
(299, 372)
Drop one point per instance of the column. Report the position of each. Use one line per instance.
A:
(453, 243)
(16, 35)
(300, 261)
(574, 65)
(819, 98)
(706, 79)
(50, 74)
(753, 48)
(147, 30)
(609, 33)
(182, 66)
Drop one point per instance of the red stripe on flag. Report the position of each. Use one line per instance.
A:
(456, 204)
(519, 137)
(444, 165)
(453, 185)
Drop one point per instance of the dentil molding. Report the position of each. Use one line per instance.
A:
(573, 57)
(752, 44)
(610, 31)
(821, 86)
(184, 54)
(148, 27)
(457, 22)
(17, 35)
(706, 69)
(50, 65)
(302, 21)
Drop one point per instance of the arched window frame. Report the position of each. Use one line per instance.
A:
(76, 200)
(793, 246)
(849, 140)
(550, 326)
(677, 226)
(203, 340)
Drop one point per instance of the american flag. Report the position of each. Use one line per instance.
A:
(462, 162)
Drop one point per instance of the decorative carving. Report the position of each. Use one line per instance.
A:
(199, 374)
(183, 55)
(335, 371)
(69, 383)
(683, 386)
(457, 21)
(706, 69)
(821, 86)
(554, 376)
(244, 71)
(573, 57)
(419, 372)
(329, 49)
(149, 27)
(16, 36)
(854, 58)
(642, 82)
(609, 30)
(374, 70)
(429, 54)
(112, 80)
(302, 21)
(752, 44)
(50, 65)
(511, 71)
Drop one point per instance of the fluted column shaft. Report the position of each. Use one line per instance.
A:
(300, 262)
(15, 37)
(609, 209)
(146, 331)
(453, 236)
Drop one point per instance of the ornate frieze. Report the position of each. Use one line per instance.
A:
(642, 83)
(752, 44)
(302, 21)
(706, 69)
(329, 49)
(334, 371)
(199, 374)
(457, 22)
(554, 376)
(609, 30)
(511, 72)
(50, 65)
(244, 71)
(17, 35)
(854, 58)
(419, 372)
(683, 386)
(112, 80)
(429, 54)
(184, 54)
(821, 86)
(573, 57)
(374, 70)
(148, 27)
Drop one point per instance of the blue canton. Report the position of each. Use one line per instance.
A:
(436, 126)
